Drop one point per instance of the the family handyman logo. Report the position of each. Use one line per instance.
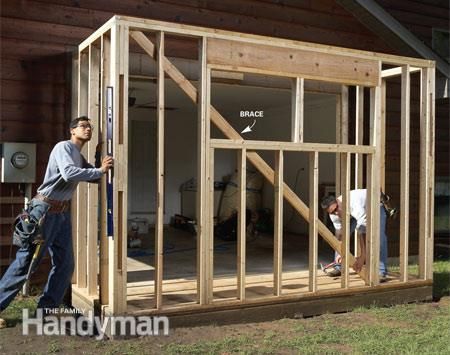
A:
(90, 325)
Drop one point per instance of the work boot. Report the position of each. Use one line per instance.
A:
(334, 273)
(384, 278)
(2, 323)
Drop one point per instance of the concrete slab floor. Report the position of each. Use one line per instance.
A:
(180, 255)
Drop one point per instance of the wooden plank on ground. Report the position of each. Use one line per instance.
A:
(257, 58)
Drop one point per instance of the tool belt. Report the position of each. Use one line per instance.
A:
(55, 205)
(27, 225)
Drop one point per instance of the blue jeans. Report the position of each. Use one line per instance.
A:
(383, 242)
(57, 233)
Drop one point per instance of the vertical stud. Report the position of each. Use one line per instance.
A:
(241, 239)
(404, 173)
(297, 104)
(313, 218)
(159, 171)
(278, 223)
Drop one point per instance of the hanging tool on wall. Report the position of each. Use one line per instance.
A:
(109, 151)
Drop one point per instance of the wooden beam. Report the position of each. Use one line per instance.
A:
(202, 177)
(118, 243)
(359, 135)
(122, 181)
(106, 27)
(139, 24)
(345, 245)
(262, 59)
(92, 193)
(105, 66)
(298, 107)
(337, 158)
(344, 132)
(159, 233)
(74, 220)
(383, 136)
(426, 174)
(289, 146)
(404, 173)
(278, 224)
(74, 112)
(373, 189)
(210, 216)
(241, 238)
(313, 218)
(81, 196)
(229, 132)
(389, 73)
(359, 140)
(431, 172)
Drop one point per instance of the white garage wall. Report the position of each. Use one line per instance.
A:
(181, 148)
(180, 162)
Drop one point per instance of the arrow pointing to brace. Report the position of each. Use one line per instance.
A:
(249, 128)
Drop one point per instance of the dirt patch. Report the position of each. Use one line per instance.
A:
(283, 336)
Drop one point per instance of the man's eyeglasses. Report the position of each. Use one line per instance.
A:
(86, 126)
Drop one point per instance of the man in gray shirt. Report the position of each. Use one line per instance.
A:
(66, 168)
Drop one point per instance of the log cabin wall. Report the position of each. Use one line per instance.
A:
(420, 17)
(39, 36)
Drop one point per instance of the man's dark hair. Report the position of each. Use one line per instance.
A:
(74, 122)
(327, 201)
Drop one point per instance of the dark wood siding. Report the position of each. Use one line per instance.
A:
(38, 37)
(419, 16)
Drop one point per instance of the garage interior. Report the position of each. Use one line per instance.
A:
(180, 135)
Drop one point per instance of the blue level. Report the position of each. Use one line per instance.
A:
(109, 151)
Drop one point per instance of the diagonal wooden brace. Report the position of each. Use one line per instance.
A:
(231, 133)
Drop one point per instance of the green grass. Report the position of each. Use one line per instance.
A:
(422, 328)
(403, 329)
(396, 330)
(441, 278)
(13, 314)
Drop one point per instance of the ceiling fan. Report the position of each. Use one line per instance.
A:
(151, 105)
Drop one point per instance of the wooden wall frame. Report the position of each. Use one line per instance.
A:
(103, 61)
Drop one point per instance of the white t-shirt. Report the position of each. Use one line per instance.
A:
(357, 210)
